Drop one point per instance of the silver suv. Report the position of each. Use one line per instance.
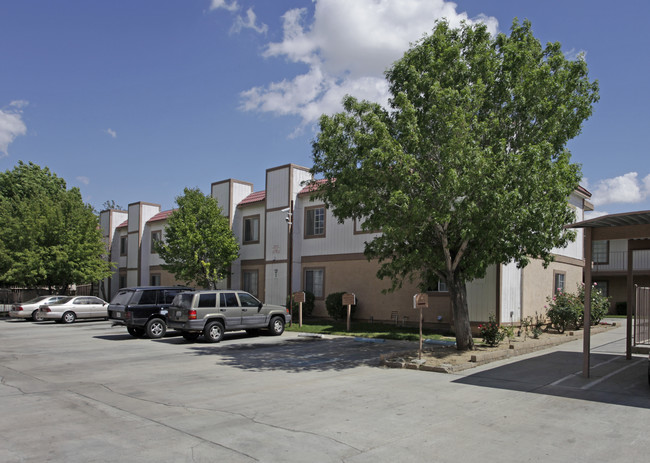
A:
(212, 313)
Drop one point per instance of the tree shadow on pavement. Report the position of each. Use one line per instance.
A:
(295, 355)
(613, 379)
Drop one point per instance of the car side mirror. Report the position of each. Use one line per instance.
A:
(260, 306)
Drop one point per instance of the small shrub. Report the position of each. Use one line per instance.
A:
(526, 323)
(599, 303)
(508, 332)
(307, 306)
(335, 307)
(564, 311)
(537, 329)
(491, 333)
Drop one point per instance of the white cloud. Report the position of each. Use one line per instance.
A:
(249, 23)
(347, 46)
(11, 125)
(111, 132)
(622, 189)
(216, 4)
(84, 180)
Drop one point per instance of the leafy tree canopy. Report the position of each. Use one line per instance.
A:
(468, 167)
(48, 237)
(199, 245)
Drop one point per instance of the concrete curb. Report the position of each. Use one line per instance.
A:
(397, 360)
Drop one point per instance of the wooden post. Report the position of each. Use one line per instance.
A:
(421, 301)
(586, 340)
(631, 299)
(299, 297)
(349, 299)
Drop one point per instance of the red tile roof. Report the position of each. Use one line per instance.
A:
(584, 191)
(314, 186)
(123, 224)
(253, 198)
(164, 215)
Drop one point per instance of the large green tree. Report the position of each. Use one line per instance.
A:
(48, 236)
(199, 245)
(468, 167)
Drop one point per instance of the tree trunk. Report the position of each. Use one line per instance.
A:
(458, 295)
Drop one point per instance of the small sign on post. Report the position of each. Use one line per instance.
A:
(421, 301)
(299, 297)
(349, 299)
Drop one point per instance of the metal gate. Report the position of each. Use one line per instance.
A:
(642, 316)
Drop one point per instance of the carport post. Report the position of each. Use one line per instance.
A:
(631, 299)
(586, 340)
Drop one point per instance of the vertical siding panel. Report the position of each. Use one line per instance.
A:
(481, 296)
(510, 293)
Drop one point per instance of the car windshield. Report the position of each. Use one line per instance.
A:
(122, 297)
(183, 300)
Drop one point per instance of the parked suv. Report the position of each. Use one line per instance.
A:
(142, 309)
(211, 313)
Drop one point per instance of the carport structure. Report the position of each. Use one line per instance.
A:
(631, 226)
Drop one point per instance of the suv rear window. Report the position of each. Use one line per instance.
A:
(122, 297)
(184, 301)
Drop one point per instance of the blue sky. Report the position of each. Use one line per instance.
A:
(135, 100)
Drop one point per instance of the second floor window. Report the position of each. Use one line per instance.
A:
(155, 236)
(123, 243)
(252, 229)
(600, 252)
(315, 222)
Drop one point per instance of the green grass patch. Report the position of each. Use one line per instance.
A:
(366, 330)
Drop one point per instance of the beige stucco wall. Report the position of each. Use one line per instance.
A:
(538, 284)
(339, 276)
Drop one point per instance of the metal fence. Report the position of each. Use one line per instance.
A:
(642, 316)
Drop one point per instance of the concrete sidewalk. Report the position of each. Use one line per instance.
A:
(89, 392)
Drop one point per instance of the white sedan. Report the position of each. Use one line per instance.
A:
(29, 310)
(69, 309)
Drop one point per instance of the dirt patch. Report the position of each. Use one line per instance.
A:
(446, 359)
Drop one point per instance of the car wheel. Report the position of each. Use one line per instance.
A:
(69, 317)
(213, 332)
(36, 317)
(190, 336)
(276, 326)
(156, 328)
(135, 332)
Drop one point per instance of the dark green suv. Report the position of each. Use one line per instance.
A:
(143, 309)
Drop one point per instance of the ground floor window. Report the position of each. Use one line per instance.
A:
(603, 286)
(249, 281)
(122, 282)
(155, 279)
(559, 279)
(314, 278)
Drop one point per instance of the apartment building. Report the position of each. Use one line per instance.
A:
(289, 242)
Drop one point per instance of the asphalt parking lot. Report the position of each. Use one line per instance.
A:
(90, 392)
